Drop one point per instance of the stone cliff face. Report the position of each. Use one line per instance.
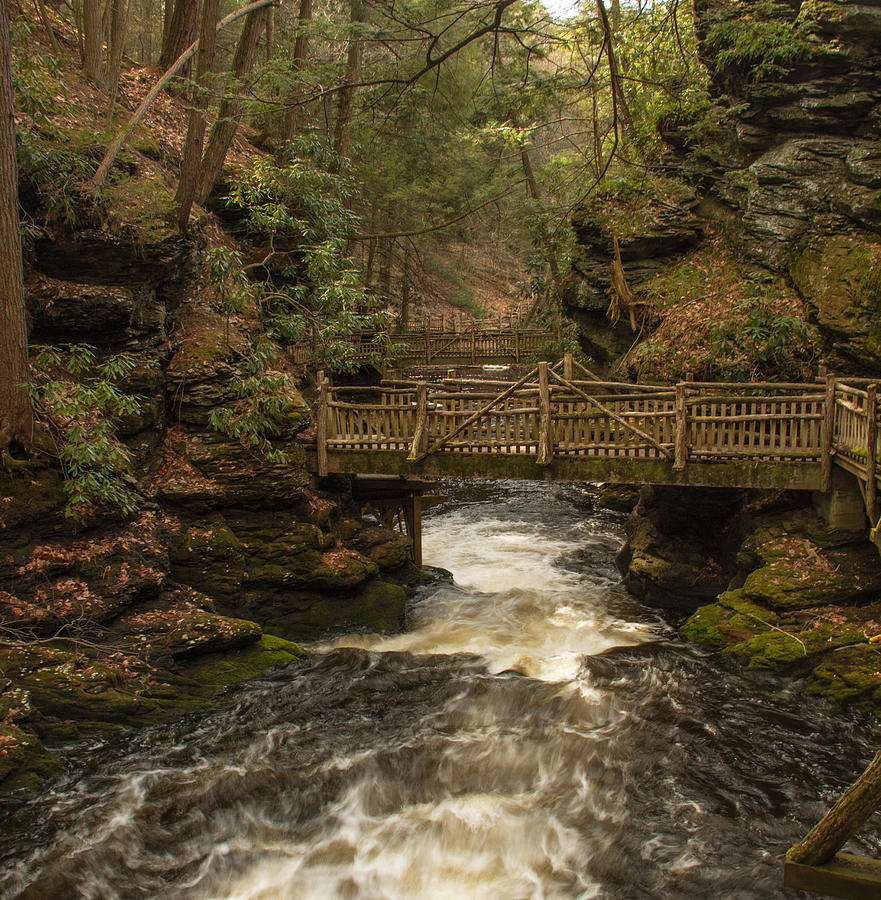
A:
(791, 169)
(229, 558)
(785, 166)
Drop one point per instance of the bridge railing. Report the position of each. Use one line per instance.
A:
(856, 434)
(546, 414)
(430, 345)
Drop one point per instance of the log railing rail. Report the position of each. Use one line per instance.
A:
(547, 415)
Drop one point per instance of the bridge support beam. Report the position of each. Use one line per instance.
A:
(394, 500)
(843, 507)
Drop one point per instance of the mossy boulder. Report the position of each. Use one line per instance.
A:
(618, 497)
(761, 638)
(852, 674)
(23, 759)
(840, 276)
(215, 670)
(206, 555)
(810, 568)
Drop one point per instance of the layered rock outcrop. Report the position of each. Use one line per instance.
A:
(790, 168)
(231, 556)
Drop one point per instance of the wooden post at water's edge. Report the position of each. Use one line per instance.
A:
(415, 524)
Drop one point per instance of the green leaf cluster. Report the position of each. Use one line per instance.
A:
(761, 39)
(76, 396)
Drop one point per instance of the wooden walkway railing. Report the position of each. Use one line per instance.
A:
(429, 345)
(756, 434)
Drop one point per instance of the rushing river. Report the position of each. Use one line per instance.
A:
(536, 733)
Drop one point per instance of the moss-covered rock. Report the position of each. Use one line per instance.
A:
(206, 555)
(23, 759)
(840, 275)
(618, 497)
(852, 674)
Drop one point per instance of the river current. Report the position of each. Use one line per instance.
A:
(536, 733)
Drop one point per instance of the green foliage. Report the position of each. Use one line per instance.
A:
(36, 77)
(760, 39)
(759, 337)
(303, 203)
(756, 337)
(261, 409)
(76, 397)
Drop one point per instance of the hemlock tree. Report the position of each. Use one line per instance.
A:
(16, 412)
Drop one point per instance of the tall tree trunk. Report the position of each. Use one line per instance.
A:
(181, 32)
(385, 271)
(353, 68)
(301, 51)
(93, 64)
(118, 27)
(192, 149)
(230, 113)
(78, 22)
(16, 413)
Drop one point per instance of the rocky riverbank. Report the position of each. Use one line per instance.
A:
(766, 581)
(229, 559)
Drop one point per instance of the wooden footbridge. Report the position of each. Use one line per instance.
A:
(552, 425)
(484, 345)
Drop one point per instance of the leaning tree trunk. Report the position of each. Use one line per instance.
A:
(16, 413)
(192, 150)
(230, 113)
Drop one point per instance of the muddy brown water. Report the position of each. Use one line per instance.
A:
(536, 733)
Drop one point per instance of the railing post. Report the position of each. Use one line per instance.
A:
(517, 345)
(567, 366)
(427, 343)
(681, 427)
(321, 437)
(828, 436)
(420, 431)
(871, 451)
(545, 425)
(473, 346)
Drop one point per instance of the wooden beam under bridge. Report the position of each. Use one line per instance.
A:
(395, 494)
